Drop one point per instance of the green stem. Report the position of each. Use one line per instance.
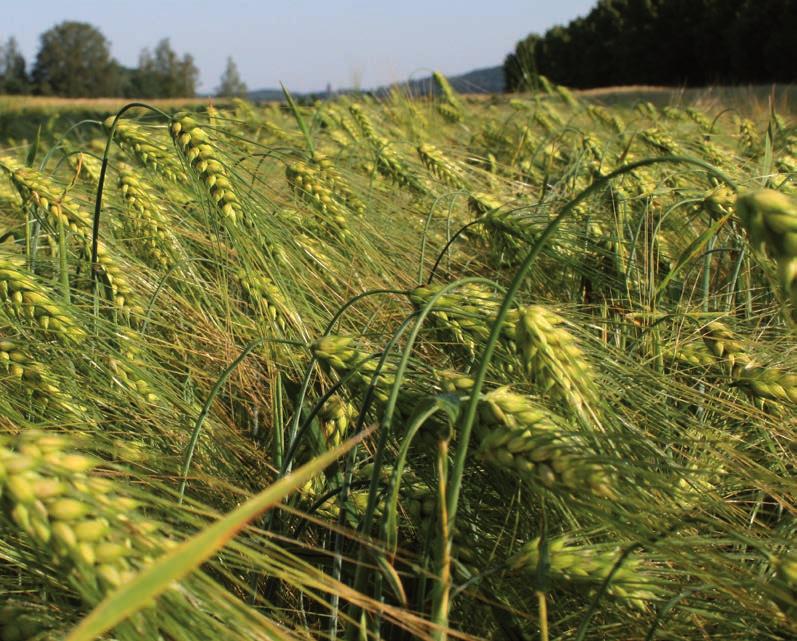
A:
(63, 261)
(189, 452)
(95, 232)
(737, 269)
(387, 417)
(707, 274)
(543, 608)
(277, 424)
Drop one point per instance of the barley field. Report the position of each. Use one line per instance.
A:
(409, 367)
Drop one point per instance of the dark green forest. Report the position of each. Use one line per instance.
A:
(663, 42)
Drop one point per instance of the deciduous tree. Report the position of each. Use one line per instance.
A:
(231, 84)
(74, 60)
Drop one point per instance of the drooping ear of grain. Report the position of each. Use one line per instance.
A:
(142, 145)
(527, 440)
(449, 105)
(86, 522)
(340, 354)
(61, 208)
(19, 371)
(389, 163)
(204, 159)
(32, 302)
(146, 221)
(312, 187)
(589, 565)
(770, 218)
(439, 166)
(554, 359)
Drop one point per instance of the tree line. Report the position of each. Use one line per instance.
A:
(74, 61)
(663, 42)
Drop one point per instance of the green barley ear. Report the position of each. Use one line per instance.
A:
(127, 368)
(340, 354)
(786, 581)
(29, 300)
(590, 565)
(85, 526)
(465, 313)
(20, 371)
(365, 124)
(389, 163)
(61, 208)
(569, 98)
(312, 187)
(10, 200)
(439, 166)
(761, 382)
(770, 218)
(749, 137)
(337, 183)
(647, 109)
(481, 203)
(146, 221)
(719, 201)
(607, 118)
(726, 346)
(48, 196)
(264, 294)
(594, 146)
(529, 441)
(335, 418)
(546, 86)
(673, 113)
(699, 118)
(82, 521)
(87, 166)
(769, 383)
(694, 354)
(659, 141)
(204, 159)
(554, 358)
(453, 381)
(142, 145)
(449, 105)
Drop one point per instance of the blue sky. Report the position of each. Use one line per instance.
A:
(304, 43)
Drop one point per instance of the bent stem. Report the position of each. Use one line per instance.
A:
(95, 232)
(189, 452)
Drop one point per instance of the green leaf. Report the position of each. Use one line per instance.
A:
(449, 404)
(393, 579)
(767, 160)
(299, 119)
(34, 148)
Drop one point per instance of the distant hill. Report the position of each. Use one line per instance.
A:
(487, 80)
(265, 95)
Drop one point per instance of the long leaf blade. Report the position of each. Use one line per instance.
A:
(183, 559)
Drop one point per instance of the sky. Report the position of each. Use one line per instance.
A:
(304, 43)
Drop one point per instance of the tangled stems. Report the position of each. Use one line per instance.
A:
(361, 575)
(440, 606)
